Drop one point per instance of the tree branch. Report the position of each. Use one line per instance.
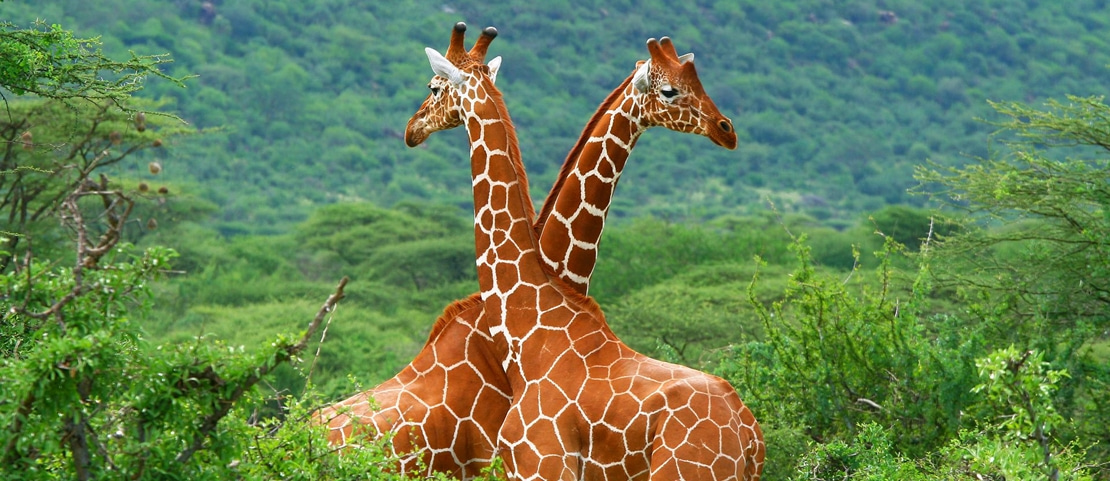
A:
(209, 423)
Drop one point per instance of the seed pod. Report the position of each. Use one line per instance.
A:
(155, 168)
(140, 122)
(151, 224)
(143, 187)
(27, 142)
(163, 190)
(157, 143)
(115, 137)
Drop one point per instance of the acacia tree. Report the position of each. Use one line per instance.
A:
(1007, 377)
(1036, 271)
(85, 395)
(1046, 205)
(72, 116)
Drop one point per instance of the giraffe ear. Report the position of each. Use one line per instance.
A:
(641, 80)
(443, 67)
(686, 58)
(494, 65)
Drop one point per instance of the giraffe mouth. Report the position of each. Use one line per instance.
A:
(412, 140)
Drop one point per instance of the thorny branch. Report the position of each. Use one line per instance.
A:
(88, 255)
(117, 209)
(288, 352)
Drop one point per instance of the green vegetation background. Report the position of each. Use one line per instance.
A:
(300, 175)
(835, 102)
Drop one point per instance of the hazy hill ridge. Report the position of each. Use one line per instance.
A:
(835, 102)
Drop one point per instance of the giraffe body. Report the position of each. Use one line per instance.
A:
(602, 411)
(448, 426)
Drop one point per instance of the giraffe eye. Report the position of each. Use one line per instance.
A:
(435, 90)
(668, 92)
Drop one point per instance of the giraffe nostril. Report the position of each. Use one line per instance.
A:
(725, 125)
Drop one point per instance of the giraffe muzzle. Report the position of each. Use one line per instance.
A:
(724, 135)
(415, 132)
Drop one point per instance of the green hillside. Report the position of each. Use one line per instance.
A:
(872, 338)
(835, 102)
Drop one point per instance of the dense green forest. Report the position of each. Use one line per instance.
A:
(902, 269)
(835, 102)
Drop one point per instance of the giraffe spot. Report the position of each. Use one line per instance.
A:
(607, 168)
(595, 149)
(600, 356)
(450, 353)
(550, 299)
(463, 378)
(524, 459)
(693, 469)
(614, 147)
(551, 400)
(597, 372)
(506, 276)
(606, 444)
(718, 404)
(512, 430)
(485, 271)
(553, 463)
(569, 373)
(424, 364)
(581, 261)
(417, 402)
(621, 127)
(705, 436)
(590, 222)
(500, 239)
(634, 467)
(499, 197)
(601, 192)
(489, 407)
(554, 242)
(485, 219)
(518, 231)
(667, 469)
(481, 191)
(526, 296)
(495, 135)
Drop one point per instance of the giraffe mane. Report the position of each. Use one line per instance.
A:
(572, 156)
(451, 312)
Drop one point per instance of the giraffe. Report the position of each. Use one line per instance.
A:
(417, 397)
(584, 405)
(663, 91)
(435, 426)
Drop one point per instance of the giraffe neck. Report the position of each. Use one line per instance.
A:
(574, 215)
(505, 243)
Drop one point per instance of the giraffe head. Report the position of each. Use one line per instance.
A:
(672, 96)
(443, 108)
